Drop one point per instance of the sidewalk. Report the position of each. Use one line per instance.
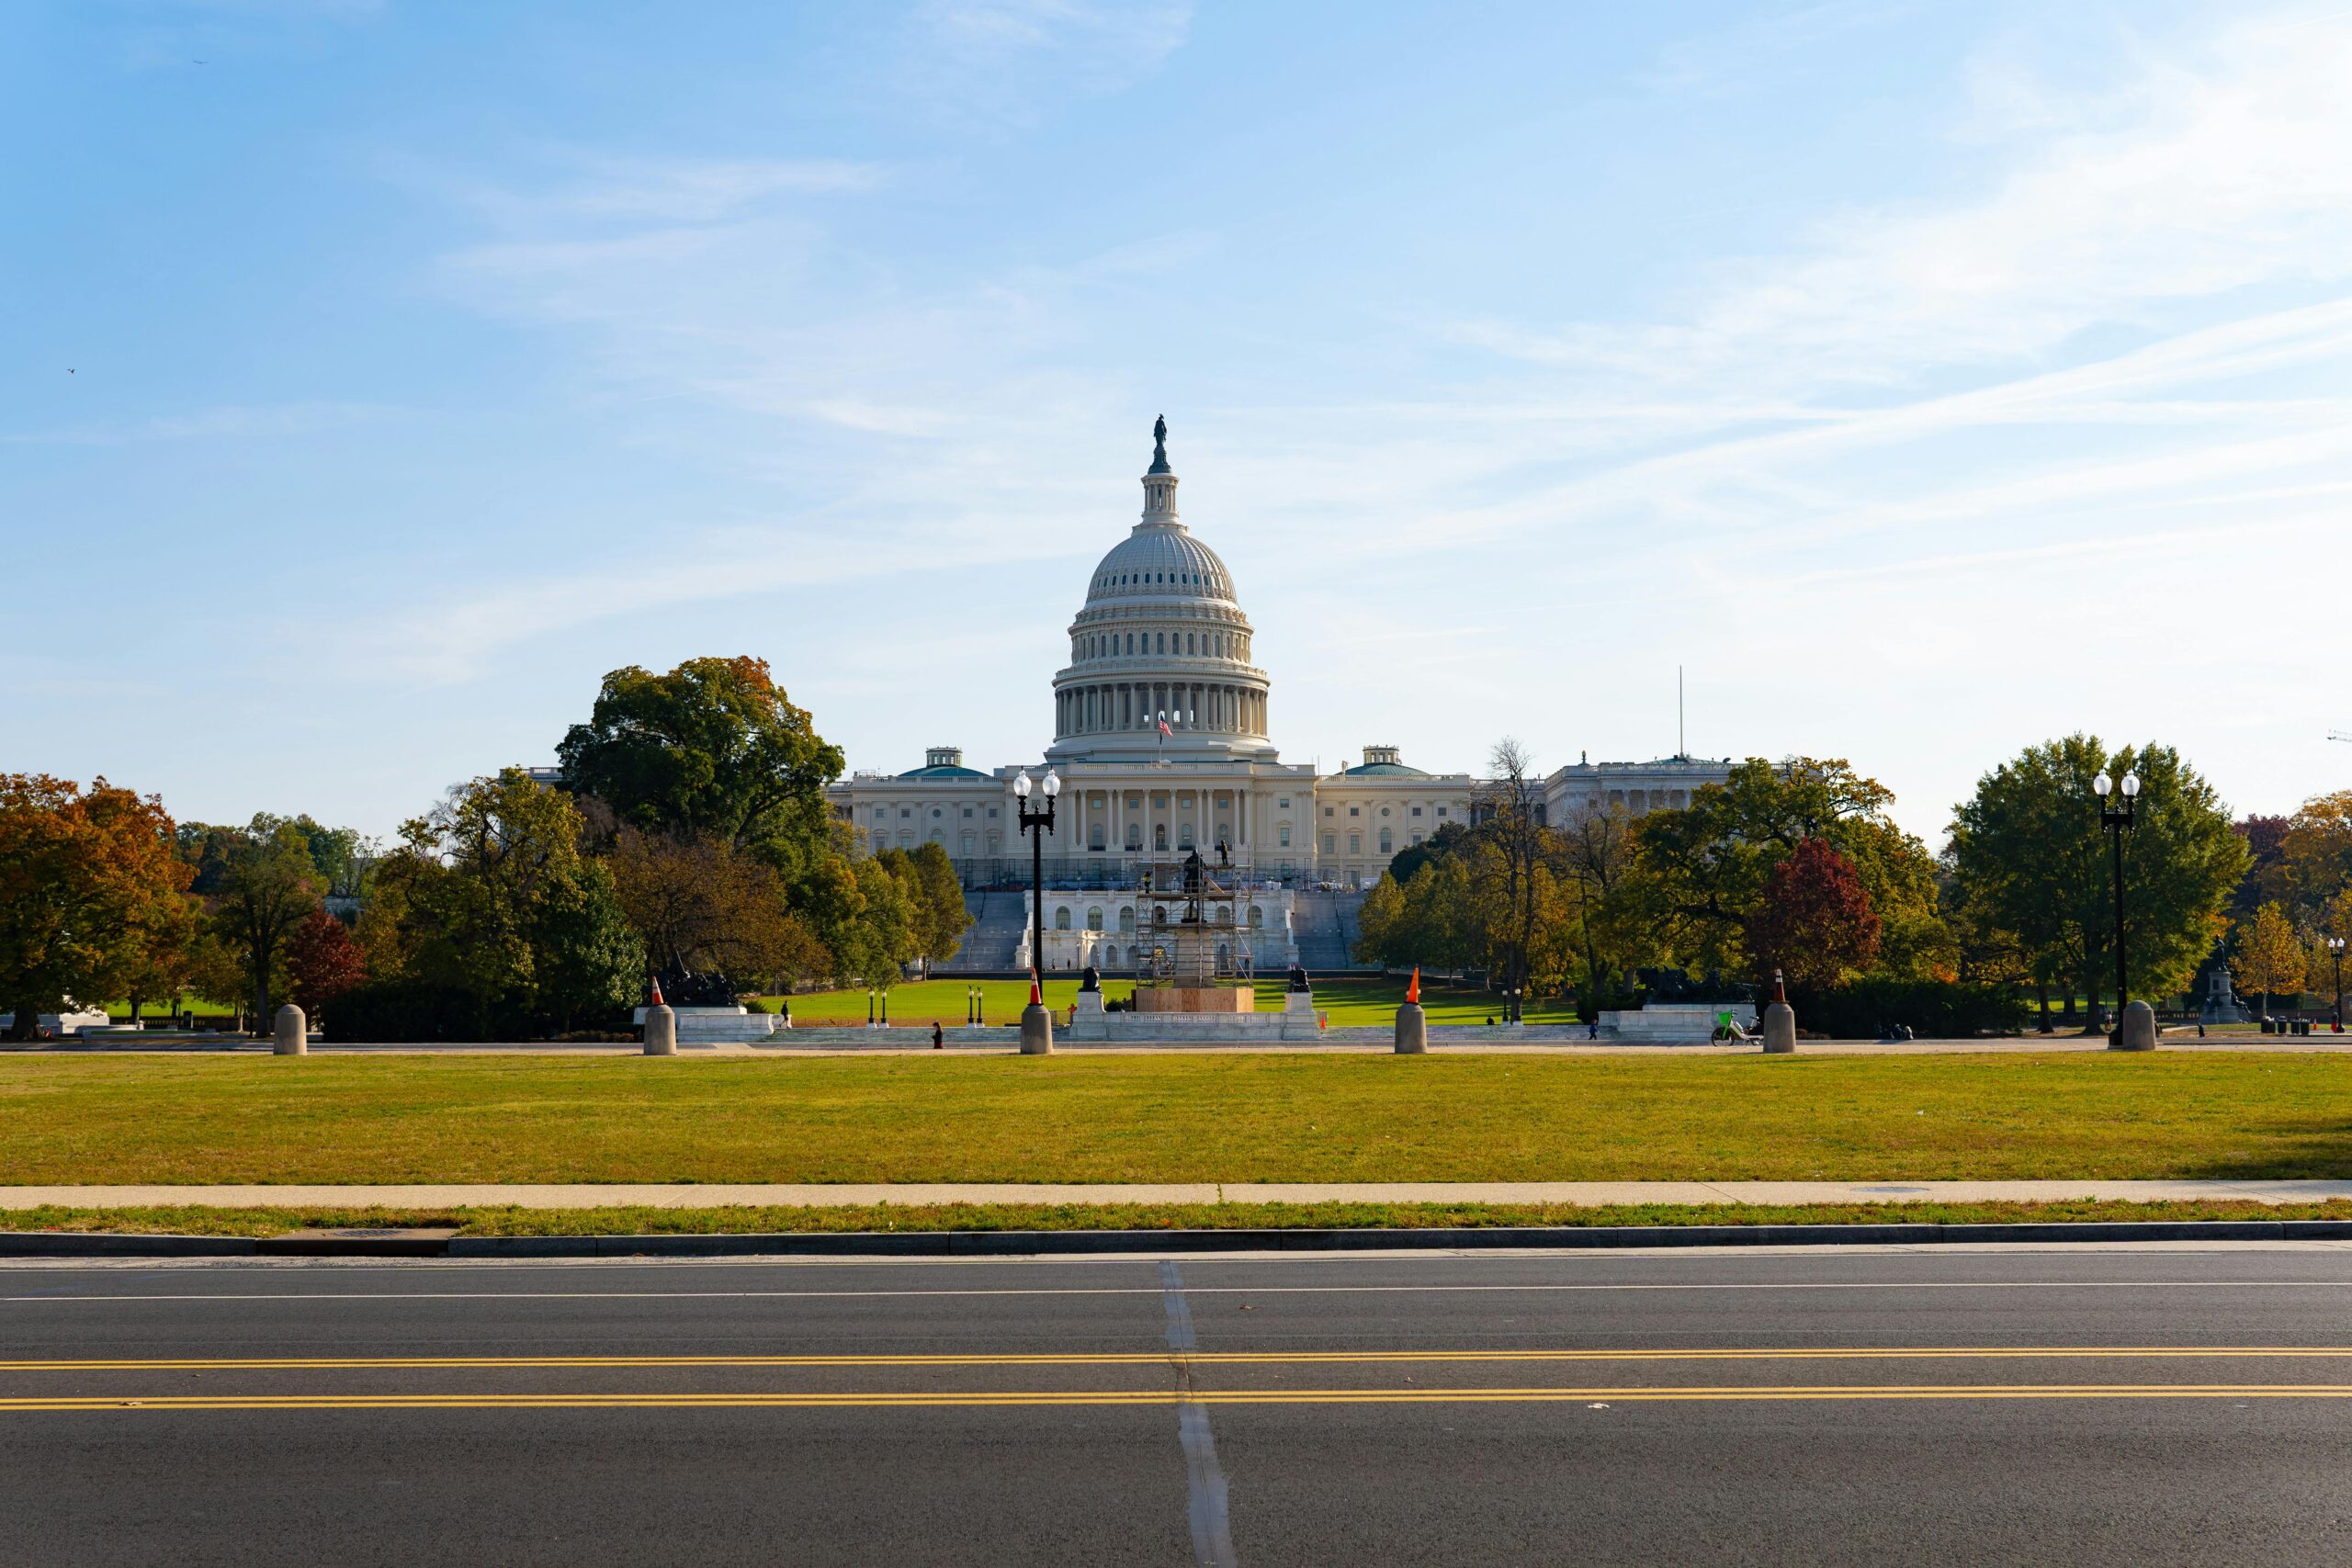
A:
(702, 1195)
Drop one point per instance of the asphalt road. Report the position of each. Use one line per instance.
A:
(1825, 1406)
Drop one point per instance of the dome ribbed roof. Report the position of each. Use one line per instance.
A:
(1159, 561)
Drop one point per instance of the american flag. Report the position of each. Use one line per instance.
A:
(1163, 726)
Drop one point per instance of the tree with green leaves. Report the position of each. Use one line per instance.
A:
(941, 915)
(1704, 868)
(2030, 856)
(491, 905)
(713, 747)
(267, 886)
(705, 908)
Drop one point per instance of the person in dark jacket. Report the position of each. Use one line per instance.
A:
(938, 1039)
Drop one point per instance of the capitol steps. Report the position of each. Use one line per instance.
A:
(993, 945)
(1325, 925)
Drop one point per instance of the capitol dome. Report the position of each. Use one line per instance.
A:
(1160, 638)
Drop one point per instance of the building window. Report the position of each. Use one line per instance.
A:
(1094, 840)
(905, 811)
(1329, 811)
(968, 814)
(1257, 917)
(1417, 838)
(968, 843)
(1355, 844)
(1384, 811)
(1330, 843)
(1094, 918)
(1284, 803)
(1135, 835)
(1417, 811)
(1282, 835)
(1128, 918)
(1441, 811)
(1355, 811)
(881, 812)
(934, 813)
(1185, 836)
(1061, 917)
(992, 811)
(1386, 845)
(1160, 835)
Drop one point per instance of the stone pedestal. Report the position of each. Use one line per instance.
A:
(2138, 1030)
(1780, 1030)
(1036, 1030)
(661, 1031)
(1412, 1030)
(293, 1031)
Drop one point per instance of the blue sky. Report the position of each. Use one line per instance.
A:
(1927, 379)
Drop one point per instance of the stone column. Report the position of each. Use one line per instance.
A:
(2136, 1030)
(1780, 1030)
(293, 1033)
(661, 1031)
(1412, 1030)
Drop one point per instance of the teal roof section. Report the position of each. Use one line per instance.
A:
(943, 773)
(1393, 770)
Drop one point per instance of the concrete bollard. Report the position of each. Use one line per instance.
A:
(1036, 1030)
(661, 1031)
(1780, 1030)
(293, 1031)
(1412, 1030)
(2138, 1030)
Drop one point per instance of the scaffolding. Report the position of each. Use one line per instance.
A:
(1185, 923)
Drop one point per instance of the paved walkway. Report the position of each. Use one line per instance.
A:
(700, 1195)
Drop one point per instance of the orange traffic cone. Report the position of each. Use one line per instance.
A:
(1413, 987)
(1037, 996)
(657, 993)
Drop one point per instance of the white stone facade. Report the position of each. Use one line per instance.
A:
(1161, 737)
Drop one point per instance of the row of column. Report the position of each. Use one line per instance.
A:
(1189, 705)
(1203, 816)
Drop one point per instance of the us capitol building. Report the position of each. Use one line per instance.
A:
(1162, 729)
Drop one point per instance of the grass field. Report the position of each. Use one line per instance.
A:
(751, 1220)
(1365, 1001)
(1169, 1118)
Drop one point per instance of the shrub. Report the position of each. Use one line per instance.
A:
(1941, 1009)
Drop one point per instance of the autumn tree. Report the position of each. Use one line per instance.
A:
(2314, 864)
(1516, 889)
(1599, 859)
(2028, 852)
(941, 917)
(323, 964)
(89, 881)
(1816, 925)
(164, 966)
(704, 908)
(2270, 956)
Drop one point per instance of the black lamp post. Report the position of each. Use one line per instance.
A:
(1036, 1023)
(2116, 818)
(1036, 824)
(2336, 952)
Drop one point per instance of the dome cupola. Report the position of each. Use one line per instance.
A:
(1160, 638)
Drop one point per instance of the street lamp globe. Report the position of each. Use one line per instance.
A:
(2100, 785)
(1053, 782)
(1020, 785)
(2131, 785)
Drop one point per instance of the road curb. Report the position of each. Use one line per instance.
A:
(1017, 1244)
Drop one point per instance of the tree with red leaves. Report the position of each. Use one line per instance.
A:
(323, 962)
(1816, 925)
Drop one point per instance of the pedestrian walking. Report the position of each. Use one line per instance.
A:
(938, 1038)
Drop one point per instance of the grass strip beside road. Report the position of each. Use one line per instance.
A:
(751, 1220)
(1206, 1117)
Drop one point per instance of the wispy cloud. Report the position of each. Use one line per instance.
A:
(227, 421)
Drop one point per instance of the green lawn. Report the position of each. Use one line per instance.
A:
(1208, 1116)
(746, 1219)
(1366, 1002)
(925, 1002)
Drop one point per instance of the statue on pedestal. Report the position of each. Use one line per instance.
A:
(1091, 980)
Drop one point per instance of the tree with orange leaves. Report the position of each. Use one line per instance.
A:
(87, 881)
